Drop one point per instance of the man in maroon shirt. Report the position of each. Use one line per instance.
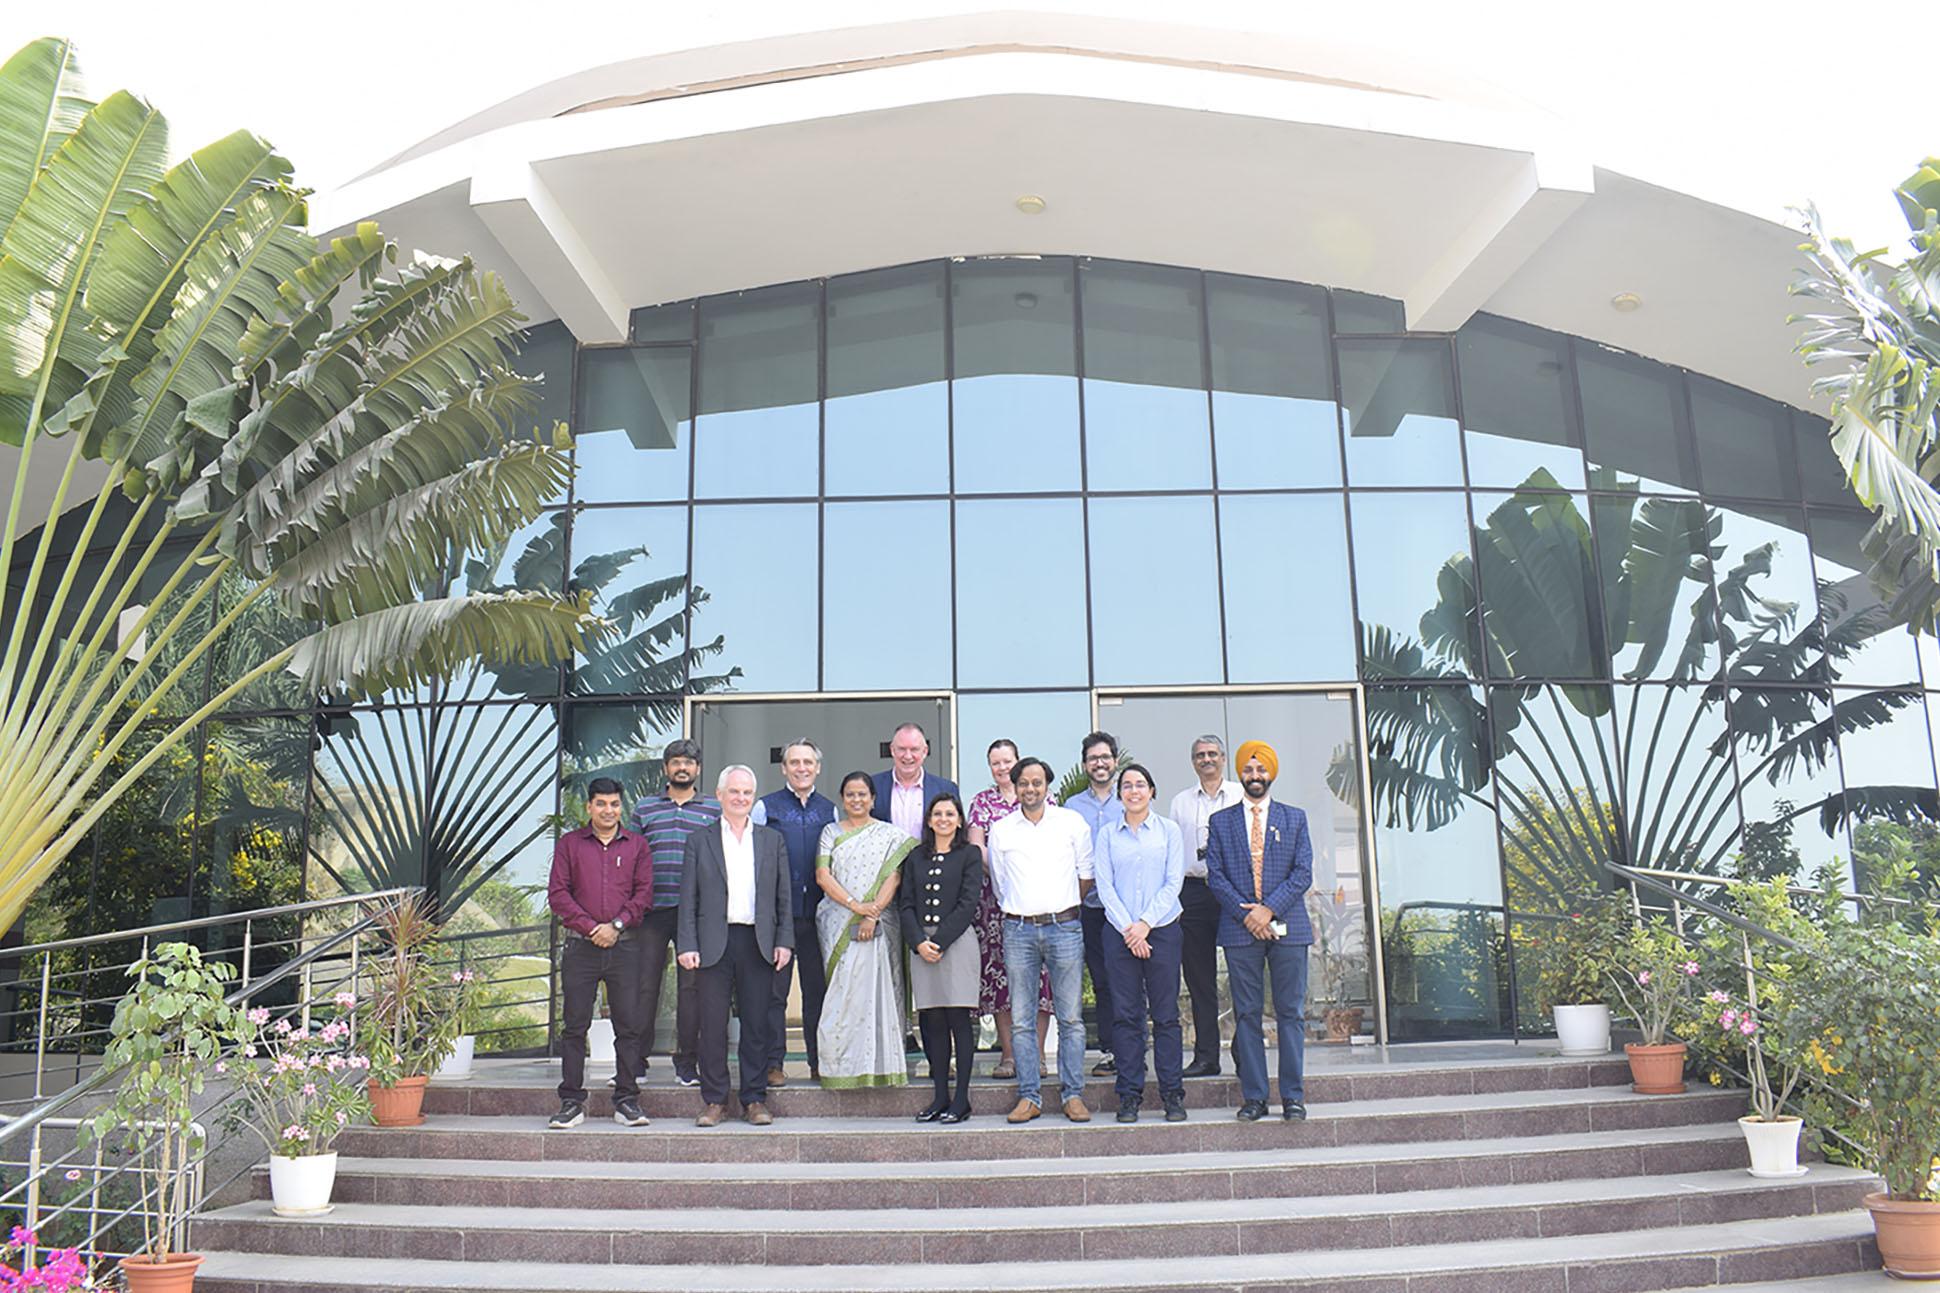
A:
(602, 877)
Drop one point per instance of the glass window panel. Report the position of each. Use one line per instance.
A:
(1154, 606)
(1145, 385)
(1275, 423)
(250, 853)
(1538, 579)
(1555, 751)
(1015, 397)
(634, 560)
(1518, 409)
(261, 631)
(863, 650)
(1400, 402)
(1658, 617)
(630, 444)
(619, 741)
(1786, 771)
(1042, 723)
(1744, 442)
(1359, 312)
(1633, 423)
(1824, 479)
(888, 413)
(1020, 602)
(755, 578)
(1431, 800)
(1680, 808)
(1863, 645)
(1888, 765)
(759, 428)
(674, 322)
(546, 352)
(1289, 608)
(1767, 599)
(1412, 576)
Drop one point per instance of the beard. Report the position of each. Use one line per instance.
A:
(680, 778)
(1257, 787)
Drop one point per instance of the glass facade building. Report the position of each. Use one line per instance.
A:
(1509, 602)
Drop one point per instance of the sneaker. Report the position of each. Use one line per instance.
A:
(687, 1076)
(571, 1114)
(627, 1112)
(1128, 1110)
(1175, 1108)
(1105, 1067)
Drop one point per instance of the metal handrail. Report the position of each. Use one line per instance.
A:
(206, 922)
(1650, 880)
(1739, 882)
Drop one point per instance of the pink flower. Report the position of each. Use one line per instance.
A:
(1643, 977)
(457, 977)
(341, 1118)
(1747, 1025)
(73, 1173)
(300, 1035)
(283, 1027)
(1720, 997)
(333, 1063)
(249, 1051)
(359, 1061)
(1727, 1019)
(1691, 968)
(345, 999)
(469, 976)
(259, 1016)
(222, 1066)
(24, 1238)
(294, 1132)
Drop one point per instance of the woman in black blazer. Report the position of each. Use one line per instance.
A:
(941, 884)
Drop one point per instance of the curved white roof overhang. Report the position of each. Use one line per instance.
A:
(628, 199)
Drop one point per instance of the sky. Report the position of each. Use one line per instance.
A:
(1758, 106)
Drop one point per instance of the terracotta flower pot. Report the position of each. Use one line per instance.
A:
(1656, 1070)
(1909, 1236)
(401, 1105)
(176, 1275)
(1342, 1023)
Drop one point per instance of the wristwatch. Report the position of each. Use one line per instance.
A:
(618, 924)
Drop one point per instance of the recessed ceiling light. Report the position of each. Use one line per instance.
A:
(1626, 302)
(1031, 204)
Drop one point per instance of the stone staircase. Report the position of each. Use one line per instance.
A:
(1449, 1168)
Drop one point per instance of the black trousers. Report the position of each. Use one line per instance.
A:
(815, 987)
(750, 977)
(1199, 966)
(582, 968)
(657, 933)
(1097, 930)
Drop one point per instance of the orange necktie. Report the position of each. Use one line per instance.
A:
(1256, 840)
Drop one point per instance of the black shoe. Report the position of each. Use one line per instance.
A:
(689, 1076)
(627, 1112)
(1252, 1111)
(1175, 1108)
(936, 1110)
(1128, 1111)
(571, 1114)
(1294, 1112)
(1202, 1068)
(1105, 1067)
(954, 1115)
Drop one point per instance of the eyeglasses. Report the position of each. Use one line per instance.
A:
(1101, 758)
(1203, 755)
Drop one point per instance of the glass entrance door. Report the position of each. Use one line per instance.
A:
(852, 731)
(1317, 736)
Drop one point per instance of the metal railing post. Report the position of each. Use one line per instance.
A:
(34, 1170)
(40, 1030)
(249, 940)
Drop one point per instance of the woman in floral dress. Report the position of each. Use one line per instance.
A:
(990, 806)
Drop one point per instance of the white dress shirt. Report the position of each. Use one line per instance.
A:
(1035, 866)
(1191, 809)
(739, 854)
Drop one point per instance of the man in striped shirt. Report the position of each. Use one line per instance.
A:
(667, 820)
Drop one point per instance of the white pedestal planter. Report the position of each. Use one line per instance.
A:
(1774, 1146)
(458, 1065)
(300, 1187)
(599, 1041)
(1583, 1030)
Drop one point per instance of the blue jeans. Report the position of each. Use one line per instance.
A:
(1246, 970)
(1142, 988)
(1061, 947)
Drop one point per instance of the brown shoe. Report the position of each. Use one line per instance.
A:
(711, 1116)
(1024, 1112)
(757, 1113)
(1075, 1110)
(776, 1077)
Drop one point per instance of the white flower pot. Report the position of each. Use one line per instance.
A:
(300, 1187)
(599, 1041)
(1774, 1146)
(458, 1065)
(1583, 1030)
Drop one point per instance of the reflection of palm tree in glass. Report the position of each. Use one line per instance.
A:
(1568, 800)
(448, 794)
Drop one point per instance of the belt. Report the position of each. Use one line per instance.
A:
(626, 935)
(1047, 918)
(1195, 879)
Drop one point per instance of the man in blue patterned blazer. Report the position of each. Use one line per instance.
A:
(1260, 864)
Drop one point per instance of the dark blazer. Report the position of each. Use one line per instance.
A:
(1286, 870)
(702, 925)
(951, 905)
(932, 787)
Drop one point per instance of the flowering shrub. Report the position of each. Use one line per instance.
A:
(1572, 953)
(300, 1086)
(1742, 1030)
(60, 1271)
(1654, 972)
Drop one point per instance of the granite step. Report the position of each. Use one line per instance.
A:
(751, 1235)
(988, 1136)
(1259, 1173)
(1672, 1257)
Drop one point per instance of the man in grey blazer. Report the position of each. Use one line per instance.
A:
(736, 928)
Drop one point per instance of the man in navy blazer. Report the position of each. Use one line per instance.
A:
(1259, 865)
(904, 790)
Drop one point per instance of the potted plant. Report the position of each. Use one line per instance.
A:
(167, 1033)
(1653, 972)
(1771, 1134)
(409, 1022)
(301, 1087)
(458, 1065)
(1335, 924)
(1572, 958)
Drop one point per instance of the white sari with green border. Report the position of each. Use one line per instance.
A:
(860, 1041)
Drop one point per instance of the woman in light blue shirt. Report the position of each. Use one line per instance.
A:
(1140, 864)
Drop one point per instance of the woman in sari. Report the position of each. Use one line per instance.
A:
(856, 864)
